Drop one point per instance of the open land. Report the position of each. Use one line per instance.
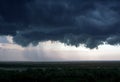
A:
(84, 71)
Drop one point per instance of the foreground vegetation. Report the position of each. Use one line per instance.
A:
(60, 73)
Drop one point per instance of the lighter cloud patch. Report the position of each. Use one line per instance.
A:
(49, 45)
(6, 42)
(11, 46)
(10, 39)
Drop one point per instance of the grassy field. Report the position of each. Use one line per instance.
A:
(60, 71)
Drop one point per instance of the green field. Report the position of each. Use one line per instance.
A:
(60, 71)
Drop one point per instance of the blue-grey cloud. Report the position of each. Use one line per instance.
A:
(73, 22)
(4, 39)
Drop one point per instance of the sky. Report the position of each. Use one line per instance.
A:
(59, 30)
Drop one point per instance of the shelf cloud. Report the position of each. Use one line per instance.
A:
(73, 22)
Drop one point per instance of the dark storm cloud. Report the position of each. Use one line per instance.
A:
(73, 22)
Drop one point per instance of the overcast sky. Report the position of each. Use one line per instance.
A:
(59, 30)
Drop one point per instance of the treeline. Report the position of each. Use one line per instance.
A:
(61, 75)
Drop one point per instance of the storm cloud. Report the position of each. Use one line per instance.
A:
(73, 22)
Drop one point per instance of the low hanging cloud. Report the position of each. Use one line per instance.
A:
(73, 22)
